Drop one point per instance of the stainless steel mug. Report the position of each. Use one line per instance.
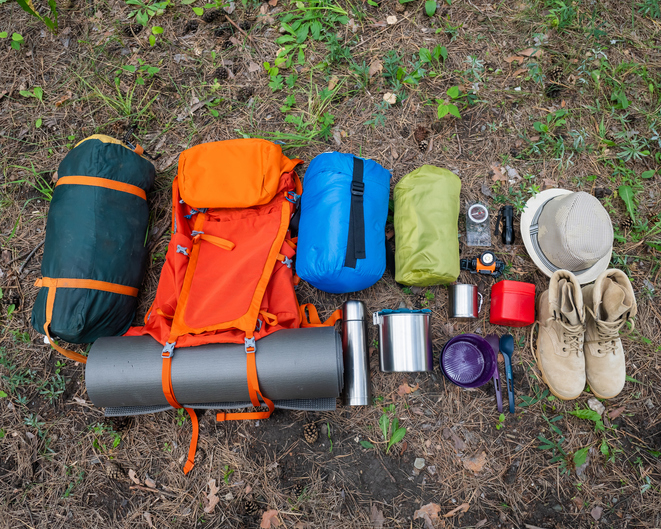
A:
(357, 384)
(463, 301)
(404, 340)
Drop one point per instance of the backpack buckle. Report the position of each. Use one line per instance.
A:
(168, 350)
(358, 188)
(182, 249)
(294, 197)
(250, 345)
(287, 262)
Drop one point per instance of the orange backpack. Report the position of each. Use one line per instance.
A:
(228, 276)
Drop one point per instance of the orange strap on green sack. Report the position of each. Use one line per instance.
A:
(311, 318)
(52, 284)
(102, 182)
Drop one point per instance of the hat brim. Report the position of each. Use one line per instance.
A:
(532, 206)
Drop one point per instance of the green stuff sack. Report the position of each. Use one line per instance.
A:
(426, 232)
(94, 254)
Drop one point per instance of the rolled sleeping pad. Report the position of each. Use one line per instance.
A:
(291, 364)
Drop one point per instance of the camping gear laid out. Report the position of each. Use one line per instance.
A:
(463, 301)
(485, 264)
(94, 255)
(478, 230)
(494, 342)
(426, 227)
(357, 381)
(512, 303)
(126, 370)
(341, 237)
(567, 231)
(227, 276)
(468, 361)
(404, 340)
(507, 350)
(610, 305)
(506, 219)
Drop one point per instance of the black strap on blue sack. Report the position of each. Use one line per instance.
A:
(356, 240)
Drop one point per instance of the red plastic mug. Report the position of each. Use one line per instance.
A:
(512, 304)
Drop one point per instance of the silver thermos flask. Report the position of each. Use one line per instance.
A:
(357, 384)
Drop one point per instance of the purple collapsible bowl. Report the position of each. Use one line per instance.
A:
(468, 361)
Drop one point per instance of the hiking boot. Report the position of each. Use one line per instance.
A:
(561, 319)
(610, 303)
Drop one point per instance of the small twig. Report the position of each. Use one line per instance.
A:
(157, 236)
(27, 259)
(147, 489)
(243, 33)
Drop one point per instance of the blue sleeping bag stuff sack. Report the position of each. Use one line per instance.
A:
(341, 234)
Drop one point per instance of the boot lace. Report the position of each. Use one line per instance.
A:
(608, 333)
(572, 337)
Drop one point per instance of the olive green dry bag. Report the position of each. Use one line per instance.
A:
(426, 227)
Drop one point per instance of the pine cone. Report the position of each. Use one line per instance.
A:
(626, 224)
(211, 15)
(420, 135)
(245, 25)
(251, 507)
(553, 90)
(220, 74)
(223, 31)
(191, 27)
(132, 30)
(245, 93)
(298, 489)
(310, 432)
(114, 471)
(119, 424)
(555, 74)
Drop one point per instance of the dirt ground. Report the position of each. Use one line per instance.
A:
(551, 94)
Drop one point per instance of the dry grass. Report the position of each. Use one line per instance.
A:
(53, 473)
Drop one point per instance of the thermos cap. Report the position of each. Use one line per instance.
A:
(353, 310)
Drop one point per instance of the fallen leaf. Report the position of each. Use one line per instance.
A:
(248, 489)
(263, 9)
(64, 99)
(268, 518)
(253, 67)
(376, 517)
(475, 463)
(80, 401)
(405, 445)
(429, 513)
(332, 83)
(405, 389)
(513, 58)
(534, 138)
(481, 523)
(548, 183)
(486, 191)
(375, 67)
(563, 104)
(498, 175)
(150, 483)
(352, 25)
(379, 24)
(390, 98)
(520, 71)
(211, 499)
(300, 525)
(134, 477)
(457, 510)
(614, 414)
(147, 516)
(459, 444)
(392, 19)
(273, 3)
(531, 52)
(596, 512)
(597, 406)
(390, 233)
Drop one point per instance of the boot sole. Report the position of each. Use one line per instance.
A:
(602, 396)
(541, 369)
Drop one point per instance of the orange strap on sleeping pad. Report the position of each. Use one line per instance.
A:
(253, 390)
(311, 319)
(168, 391)
(52, 284)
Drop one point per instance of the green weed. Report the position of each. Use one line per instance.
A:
(392, 433)
(144, 11)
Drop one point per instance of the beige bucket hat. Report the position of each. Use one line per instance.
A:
(563, 230)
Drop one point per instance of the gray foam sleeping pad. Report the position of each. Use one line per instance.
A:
(291, 364)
